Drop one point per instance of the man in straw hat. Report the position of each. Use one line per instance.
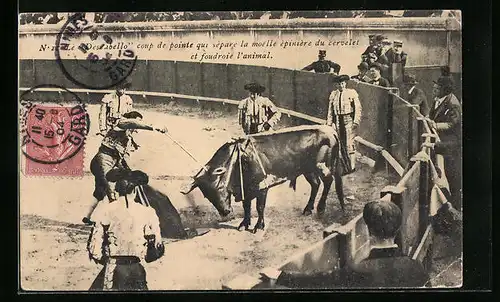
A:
(446, 116)
(323, 65)
(416, 96)
(113, 106)
(125, 232)
(257, 113)
(344, 111)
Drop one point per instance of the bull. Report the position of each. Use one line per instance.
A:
(247, 167)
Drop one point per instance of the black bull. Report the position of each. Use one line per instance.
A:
(287, 154)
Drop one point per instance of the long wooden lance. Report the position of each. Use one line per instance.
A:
(187, 152)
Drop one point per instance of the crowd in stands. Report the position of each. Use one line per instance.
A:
(109, 17)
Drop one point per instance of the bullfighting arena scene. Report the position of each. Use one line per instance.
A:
(278, 150)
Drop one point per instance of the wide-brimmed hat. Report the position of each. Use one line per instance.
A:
(255, 87)
(341, 78)
(410, 79)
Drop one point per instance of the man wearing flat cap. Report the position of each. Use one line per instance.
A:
(323, 65)
(344, 111)
(125, 232)
(113, 106)
(446, 116)
(257, 113)
(416, 96)
(396, 53)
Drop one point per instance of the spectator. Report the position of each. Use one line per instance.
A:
(322, 65)
(375, 74)
(362, 75)
(416, 96)
(372, 48)
(396, 53)
(371, 58)
(385, 266)
(383, 60)
(446, 116)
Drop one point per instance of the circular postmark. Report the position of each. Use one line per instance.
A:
(91, 57)
(52, 133)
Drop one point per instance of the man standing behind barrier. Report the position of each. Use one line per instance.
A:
(416, 96)
(124, 233)
(375, 74)
(322, 65)
(385, 266)
(344, 110)
(362, 75)
(446, 116)
(113, 106)
(257, 113)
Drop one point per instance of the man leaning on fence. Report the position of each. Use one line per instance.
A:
(385, 265)
(415, 95)
(344, 111)
(125, 233)
(257, 113)
(114, 106)
(446, 117)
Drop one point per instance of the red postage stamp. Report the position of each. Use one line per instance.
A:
(53, 140)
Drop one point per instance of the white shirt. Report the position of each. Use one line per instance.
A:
(127, 227)
(411, 89)
(438, 101)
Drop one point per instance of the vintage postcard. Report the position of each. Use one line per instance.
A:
(240, 150)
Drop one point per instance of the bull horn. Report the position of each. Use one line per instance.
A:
(187, 188)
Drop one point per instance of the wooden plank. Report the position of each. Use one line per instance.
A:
(424, 245)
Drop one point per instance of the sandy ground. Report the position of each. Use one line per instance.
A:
(52, 250)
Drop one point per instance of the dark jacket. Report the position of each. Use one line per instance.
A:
(392, 57)
(382, 82)
(448, 117)
(417, 97)
(387, 267)
(322, 66)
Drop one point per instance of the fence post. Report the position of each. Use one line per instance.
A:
(202, 86)
(270, 83)
(176, 78)
(424, 195)
(294, 95)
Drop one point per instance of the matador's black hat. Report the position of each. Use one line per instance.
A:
(255, 87)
